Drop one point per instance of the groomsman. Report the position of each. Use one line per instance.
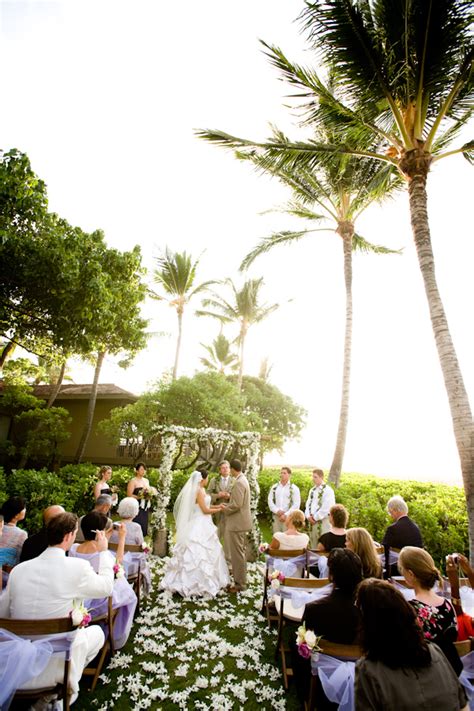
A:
(320, 499)
(219, 489)
(283, 498)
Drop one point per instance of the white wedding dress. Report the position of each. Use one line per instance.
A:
(198, 564)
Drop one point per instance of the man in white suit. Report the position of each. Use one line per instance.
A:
(48, 586)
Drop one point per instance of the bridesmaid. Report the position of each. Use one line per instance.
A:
(102, 486)
(139, 487)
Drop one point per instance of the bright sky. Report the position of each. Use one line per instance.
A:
(104, 96)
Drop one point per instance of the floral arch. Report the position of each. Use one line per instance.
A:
(174, 437)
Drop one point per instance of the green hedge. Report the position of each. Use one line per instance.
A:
(439, 510)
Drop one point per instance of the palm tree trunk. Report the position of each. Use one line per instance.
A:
(178, 344)
(346, 230)
(458, 399)
(6, 352)
(57, 385)
(243, 333)
(90, 409)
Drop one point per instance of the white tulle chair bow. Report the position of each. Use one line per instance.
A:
(467, 676)
(23, 659)
(337, 679)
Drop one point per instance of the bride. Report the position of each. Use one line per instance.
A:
(198, 564)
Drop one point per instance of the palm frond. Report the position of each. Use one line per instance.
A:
(359, 244)
(267, 243)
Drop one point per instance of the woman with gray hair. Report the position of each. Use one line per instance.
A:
(127, 510)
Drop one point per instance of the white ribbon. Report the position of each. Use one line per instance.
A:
(337, 679)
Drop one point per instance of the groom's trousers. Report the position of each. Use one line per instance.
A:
(237, 545)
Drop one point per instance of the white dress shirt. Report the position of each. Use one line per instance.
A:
(47, 587)
(279, 498)
(319, 512)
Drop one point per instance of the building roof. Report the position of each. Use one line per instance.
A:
(82, 391)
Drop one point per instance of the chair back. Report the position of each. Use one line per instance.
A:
(306, 583)
(128, 548)
(340, 651)
(38, 628)
(464, 647)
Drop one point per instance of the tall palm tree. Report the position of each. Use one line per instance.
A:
(244, 308)
(341, 190)
(220, 355)
(176, 273)
(405, 85)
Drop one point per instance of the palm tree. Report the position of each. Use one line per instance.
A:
(220, 355)
(176, 273)
(404, 85)
(342, 189)
(244, 308)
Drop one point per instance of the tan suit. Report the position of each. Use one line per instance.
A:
(216, 485)
(239, 521)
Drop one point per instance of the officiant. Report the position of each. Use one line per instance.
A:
(219, 490)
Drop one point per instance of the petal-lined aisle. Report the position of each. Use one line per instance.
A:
(195, 654)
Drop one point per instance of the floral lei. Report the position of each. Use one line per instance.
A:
(319, 502)
(291, 497)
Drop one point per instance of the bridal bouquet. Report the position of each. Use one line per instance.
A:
(306, 642)
(80, 615)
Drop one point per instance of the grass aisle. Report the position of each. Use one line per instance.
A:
(195, 654)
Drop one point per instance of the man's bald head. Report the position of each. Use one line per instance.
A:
(51, 512)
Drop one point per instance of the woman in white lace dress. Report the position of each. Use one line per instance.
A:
(198, 565)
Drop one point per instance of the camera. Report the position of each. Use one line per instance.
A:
(454, 558)
(116, 524)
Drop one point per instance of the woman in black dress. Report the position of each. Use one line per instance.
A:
(139, 487)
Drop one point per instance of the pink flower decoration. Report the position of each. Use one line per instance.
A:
(304, 650)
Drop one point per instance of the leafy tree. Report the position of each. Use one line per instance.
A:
(220, 355)
(404, 85)
(38, 430)
(117, 325)
(244, 308)
(176, 274)
(272, 413)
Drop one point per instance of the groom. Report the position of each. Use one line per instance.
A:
(239, 522)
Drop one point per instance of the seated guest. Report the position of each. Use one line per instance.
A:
(403, 532)
(361, 542)
(50, 586)
(37, 543)
(123, 597)
(292, 538)
(400, 670)
(11, 542)
(436, 615)
(336, 536)
(454, 562)
(103, 504)
(128, 510)
(334, 617)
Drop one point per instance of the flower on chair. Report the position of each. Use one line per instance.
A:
(263, 547)
(306, 642)
(119, 571)
(276, 578)
(80, 615)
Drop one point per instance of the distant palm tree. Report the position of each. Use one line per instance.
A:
(404, 83)
(244, 308)
(220, 355)
(265, 369)
(341, 190)
(176, 273)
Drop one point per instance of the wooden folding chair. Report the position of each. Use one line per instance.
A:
(345, 652)
(108, 618)
(284, 555)
(464, 647)
(135, 579)
(35, 628)
(281, 649)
